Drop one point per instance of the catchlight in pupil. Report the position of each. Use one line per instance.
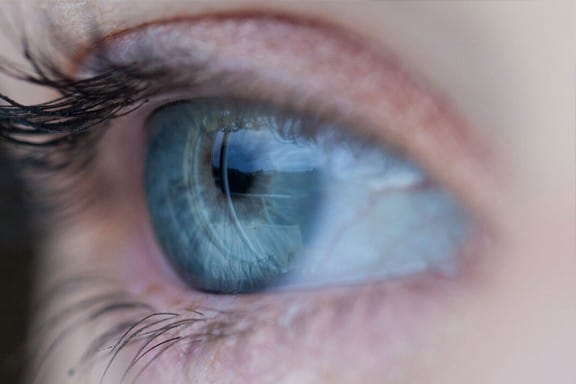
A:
(242, 198)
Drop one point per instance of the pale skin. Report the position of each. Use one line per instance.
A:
(506, 69)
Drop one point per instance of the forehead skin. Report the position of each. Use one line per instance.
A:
(507, 67)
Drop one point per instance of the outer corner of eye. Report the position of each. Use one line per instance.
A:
(245, 198)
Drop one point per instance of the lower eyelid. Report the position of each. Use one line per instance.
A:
(273, 330)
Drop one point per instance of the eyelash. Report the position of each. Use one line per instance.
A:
(60, 125)
(156, 331)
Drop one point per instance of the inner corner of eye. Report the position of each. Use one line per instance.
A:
(244, 198)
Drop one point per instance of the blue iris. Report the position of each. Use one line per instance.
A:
(244, 197)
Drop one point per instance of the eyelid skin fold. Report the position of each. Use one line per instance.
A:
(311, 68)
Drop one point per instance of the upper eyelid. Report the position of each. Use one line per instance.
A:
(397, 110)
(344, 55)
(133, 47)
(378, 64)
(364, 86)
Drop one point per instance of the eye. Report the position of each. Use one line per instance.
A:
(245, 197)
(269, 155)
(270, 167)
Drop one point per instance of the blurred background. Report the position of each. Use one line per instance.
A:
(16, 260)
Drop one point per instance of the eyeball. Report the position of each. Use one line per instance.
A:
(245, 197)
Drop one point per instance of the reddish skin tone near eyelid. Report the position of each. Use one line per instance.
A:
(77, 60)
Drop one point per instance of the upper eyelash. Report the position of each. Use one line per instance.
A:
(43, 132)
(83, 103)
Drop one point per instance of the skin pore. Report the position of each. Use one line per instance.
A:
(502, 67)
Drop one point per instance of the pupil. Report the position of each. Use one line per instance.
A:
(236, 173)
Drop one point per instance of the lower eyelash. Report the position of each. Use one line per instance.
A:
(139, 335)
